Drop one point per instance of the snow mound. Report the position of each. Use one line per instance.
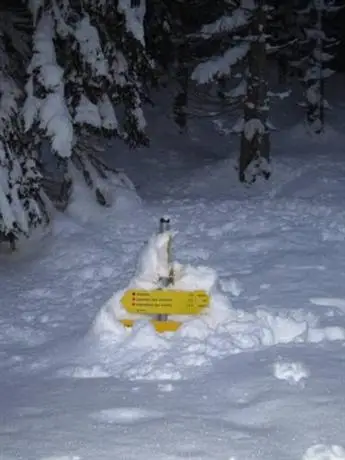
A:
(153, 265)
(219, 331)
(292, 372)
(324, 452)
(118, 191)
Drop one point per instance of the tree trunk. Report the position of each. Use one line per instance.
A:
(315, 83)
(255, 142)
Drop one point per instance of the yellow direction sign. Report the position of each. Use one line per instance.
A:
(165, 302)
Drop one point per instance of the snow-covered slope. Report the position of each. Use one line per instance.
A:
(265, 382)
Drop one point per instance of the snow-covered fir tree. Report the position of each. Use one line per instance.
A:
(86, 79)
(317, 50)
(242, 37)
(285, 36)
(23, 203)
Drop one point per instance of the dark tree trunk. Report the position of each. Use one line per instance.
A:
(255, 142)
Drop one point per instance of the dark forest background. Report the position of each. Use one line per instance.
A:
(74, 73)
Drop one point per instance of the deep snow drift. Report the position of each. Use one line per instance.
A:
(259, 376)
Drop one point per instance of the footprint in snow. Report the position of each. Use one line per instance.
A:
(126, 415)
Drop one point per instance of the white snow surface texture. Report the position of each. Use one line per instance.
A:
(259, 376)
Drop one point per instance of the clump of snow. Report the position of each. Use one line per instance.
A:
(134, 18)
(324, 452)
(292, 372)
(118, 190)
(107, 113)
(165, 387)
(50, 111)
(87, 112)
(233, 286)
(90, 47)
(226, 23)
(220, 65)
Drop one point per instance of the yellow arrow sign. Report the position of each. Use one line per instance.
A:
(165, 302)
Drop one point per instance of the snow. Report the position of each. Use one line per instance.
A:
(51, 111)
(225, 24)
(34, 6)
(134, 18)
(220, 65)
(252, 127)
(87, 112)
(321, 451)
(119, 69)
(90, 47)
(259, 375)
(107, 113)
(292, 372)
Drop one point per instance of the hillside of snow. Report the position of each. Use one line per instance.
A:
(261, 377)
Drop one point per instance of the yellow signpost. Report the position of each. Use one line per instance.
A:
(166, 302)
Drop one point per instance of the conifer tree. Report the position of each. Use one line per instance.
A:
(242, 34)
(87, 79)
(23, 203)
(317, 50)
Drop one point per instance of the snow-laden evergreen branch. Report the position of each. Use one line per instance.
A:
(90, 48)
(220, 65)
(227, 23)
(134, 18)
(45, 103)
(315, 60)
(22, 205)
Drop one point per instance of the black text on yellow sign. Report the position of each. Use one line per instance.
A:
(165, 302)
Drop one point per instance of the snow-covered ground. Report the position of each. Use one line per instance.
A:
(261, 378)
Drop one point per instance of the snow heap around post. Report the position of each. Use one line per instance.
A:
(154, 265)
(218, 331)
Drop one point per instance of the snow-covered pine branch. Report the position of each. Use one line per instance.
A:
(90, 48)
(225, 24)
(134, 18)
(315, 61)
(87, 63)
(45, 104)
(23, 204)
(219, 66)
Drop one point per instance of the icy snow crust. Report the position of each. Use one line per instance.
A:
(259, 376)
